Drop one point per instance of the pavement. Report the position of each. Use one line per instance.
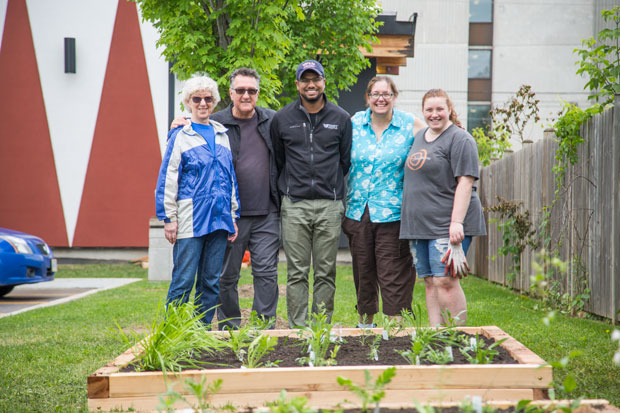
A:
(61, 290)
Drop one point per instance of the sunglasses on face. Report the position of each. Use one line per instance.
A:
(197, 99)
(242, 91)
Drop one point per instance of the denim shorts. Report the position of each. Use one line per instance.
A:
(427, 254)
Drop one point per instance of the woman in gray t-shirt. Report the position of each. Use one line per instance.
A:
(441, 210)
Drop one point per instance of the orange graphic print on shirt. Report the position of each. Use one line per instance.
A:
(416, 160)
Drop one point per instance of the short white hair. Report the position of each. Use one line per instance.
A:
(200, 84)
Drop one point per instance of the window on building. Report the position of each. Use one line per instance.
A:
(479, 65)
(480, 11)
(479, 70)
(478, 117)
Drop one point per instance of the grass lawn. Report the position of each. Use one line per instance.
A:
(46, 354)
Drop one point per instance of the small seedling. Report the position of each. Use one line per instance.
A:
(297, 404)
(370, 392)
(440, 357)
(202, 391)
(481, 355)
(317, 341)
(258, 348)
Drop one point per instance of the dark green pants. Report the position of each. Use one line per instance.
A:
(310, 232)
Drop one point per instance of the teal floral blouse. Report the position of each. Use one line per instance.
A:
(377, 168)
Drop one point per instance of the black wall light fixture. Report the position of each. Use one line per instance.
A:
(69, 54)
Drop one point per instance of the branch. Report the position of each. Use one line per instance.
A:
(221, 22)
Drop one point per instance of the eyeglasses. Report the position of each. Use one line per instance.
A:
(198, 99)
(385, 96)
(305, 81)
(242, 91)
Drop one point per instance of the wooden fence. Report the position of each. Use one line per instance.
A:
(584, 220)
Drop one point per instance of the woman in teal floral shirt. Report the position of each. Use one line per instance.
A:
(382, 137)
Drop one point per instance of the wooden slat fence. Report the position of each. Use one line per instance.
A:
(584, 220)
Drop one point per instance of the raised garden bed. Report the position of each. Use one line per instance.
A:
(109, 388)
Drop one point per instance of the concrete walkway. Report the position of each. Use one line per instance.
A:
(61, 290)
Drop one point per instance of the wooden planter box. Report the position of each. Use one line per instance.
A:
(109, 389)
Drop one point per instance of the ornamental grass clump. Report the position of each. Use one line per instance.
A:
(171, 340)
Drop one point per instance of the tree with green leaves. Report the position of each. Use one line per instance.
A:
(273, 37)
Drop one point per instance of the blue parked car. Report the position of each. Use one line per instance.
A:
(24, 259)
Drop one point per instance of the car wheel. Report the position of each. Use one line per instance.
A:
(5, 290)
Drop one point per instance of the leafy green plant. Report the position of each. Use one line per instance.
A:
(517, 231)
(373, 345)
(511, 119)
(481, 353)
(490, 146)
(543, 285)
(240, 339)
(317, 339)
(443, 356)
(297, 404)
(202, 391)
(258, 348)
(411, 318)
(171, 339)
(600, 60)
(371, 392)
(391, 324)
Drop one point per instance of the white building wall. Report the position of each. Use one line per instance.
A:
(533, 43)
(441, 50)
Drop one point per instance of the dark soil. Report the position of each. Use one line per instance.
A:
(352, 353)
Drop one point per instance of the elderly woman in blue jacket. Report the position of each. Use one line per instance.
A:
(196, 196)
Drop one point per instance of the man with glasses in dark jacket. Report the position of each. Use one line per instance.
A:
(312, 145)
(259, 227)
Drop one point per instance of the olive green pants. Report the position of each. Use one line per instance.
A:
(310, 232)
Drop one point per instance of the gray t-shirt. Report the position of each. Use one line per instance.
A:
(252, 170)
(430, 183)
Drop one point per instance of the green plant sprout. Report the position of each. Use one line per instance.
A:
(171, 339)
(391, 324)
(258, 348)
(444, 356)
(297, 404)
(374, 345)
(411, 318)
(317, 338)
(370, 392)
(202, 391)
(481, 354)
(240, 339)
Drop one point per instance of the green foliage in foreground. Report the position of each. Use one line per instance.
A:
(46, 354)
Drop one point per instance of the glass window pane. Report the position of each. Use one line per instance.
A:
(479, 64)
(478, 116)
(480, 11)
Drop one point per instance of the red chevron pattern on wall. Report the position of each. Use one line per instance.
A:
(29, 191)
(118, 197)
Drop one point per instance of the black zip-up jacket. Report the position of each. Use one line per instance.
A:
(312, 161)
(265, 116)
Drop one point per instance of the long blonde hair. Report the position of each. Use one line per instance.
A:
(434, 93)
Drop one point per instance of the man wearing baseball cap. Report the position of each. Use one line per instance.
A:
(312, 146)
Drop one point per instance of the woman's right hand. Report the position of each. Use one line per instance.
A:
(170, 231)
(179, 121)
